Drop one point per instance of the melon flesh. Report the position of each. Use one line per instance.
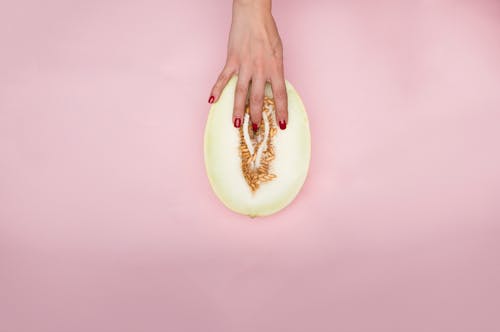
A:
(292, 148)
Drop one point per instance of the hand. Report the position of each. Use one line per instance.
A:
(255, 54)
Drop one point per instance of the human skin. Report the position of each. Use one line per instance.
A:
(255, 54)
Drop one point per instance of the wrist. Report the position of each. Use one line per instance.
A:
(257, 6)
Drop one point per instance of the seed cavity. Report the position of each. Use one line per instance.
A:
(256, 149)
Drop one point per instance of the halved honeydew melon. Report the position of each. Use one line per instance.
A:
(257, 175)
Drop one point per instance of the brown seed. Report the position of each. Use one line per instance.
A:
(255, 176)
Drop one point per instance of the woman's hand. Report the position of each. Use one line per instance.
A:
(255, 54)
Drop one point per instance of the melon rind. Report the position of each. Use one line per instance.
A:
(223, 162)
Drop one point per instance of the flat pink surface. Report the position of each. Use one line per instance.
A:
(107, 220)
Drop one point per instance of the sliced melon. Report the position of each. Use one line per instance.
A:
(257, 175)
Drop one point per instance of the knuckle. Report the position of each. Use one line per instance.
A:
(280, 107)
(255, 117)
(243, 60)
(238, 111)
(224, 76)
(278, 55)
(282, 111)
(218, 84)
(255, 112)
(279, 66)
(256, 99)
(241, 89)
(232, 61)
(280, 94)
(258, 64)
(237, 108)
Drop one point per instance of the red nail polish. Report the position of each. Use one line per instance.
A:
(211, 100)
(237, 122)
(255, 127)
(282, 124)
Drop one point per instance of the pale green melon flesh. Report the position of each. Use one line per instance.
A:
(223, 161)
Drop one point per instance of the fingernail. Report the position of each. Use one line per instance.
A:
(237, 122)
(211, 100)
(282, 124)
(255, 127)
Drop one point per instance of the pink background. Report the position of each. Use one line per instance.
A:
(107, 220)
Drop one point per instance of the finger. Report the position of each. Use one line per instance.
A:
(257, 100)
(221, 82)
(280, 100)
(240, 98)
